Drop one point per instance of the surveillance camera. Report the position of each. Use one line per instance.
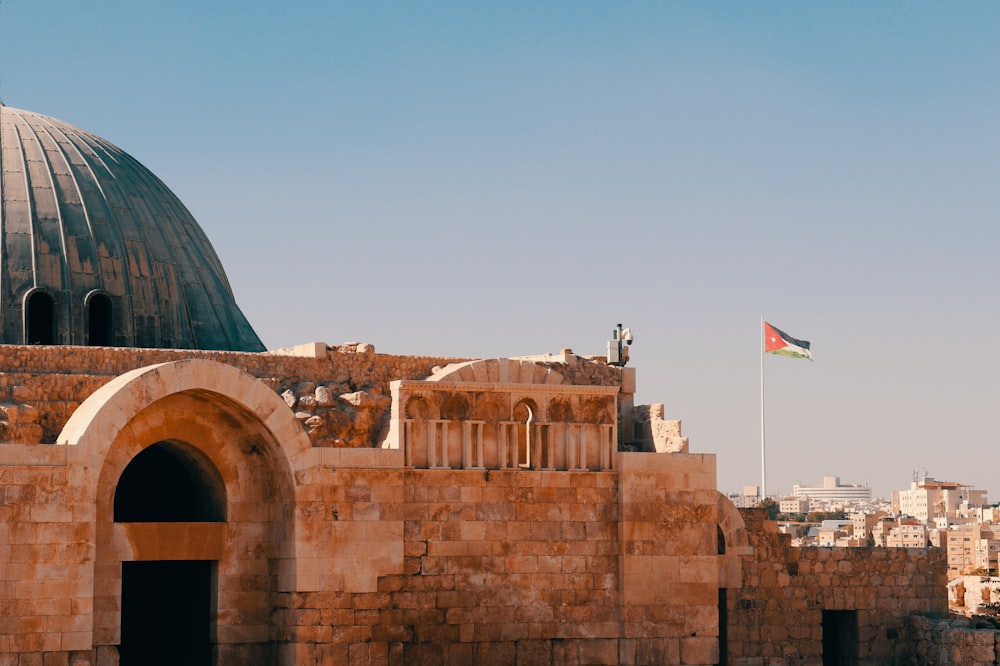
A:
(627, 336)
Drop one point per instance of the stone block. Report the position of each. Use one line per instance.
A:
(699, 650)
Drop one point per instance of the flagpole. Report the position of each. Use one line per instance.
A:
(763, 457)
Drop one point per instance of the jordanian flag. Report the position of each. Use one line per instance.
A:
(779, 342)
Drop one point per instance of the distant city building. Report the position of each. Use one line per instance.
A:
(832, 532)
(971, 547)
(749, 499)
(928, 499)
(864, 524)
(881, 529)
(910, 534)
(794, 504)
(833, 492)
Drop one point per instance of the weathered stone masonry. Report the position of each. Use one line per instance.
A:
(777, 617)
(353, 548)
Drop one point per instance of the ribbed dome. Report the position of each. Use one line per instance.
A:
(97, 250)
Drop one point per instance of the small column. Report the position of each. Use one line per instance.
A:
(480, 426)
(542, 450)
(576, 447)
(466, 444)
(472, 444)
(431, 446)
(569, 446)
(407, 435)
(534, 446)
(608, 446)
(437, 434)
(502, 445)
(550, 449)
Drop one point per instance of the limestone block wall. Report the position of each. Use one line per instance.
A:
(516, 566)
(954, 641)
(46, 562)
(777, 617)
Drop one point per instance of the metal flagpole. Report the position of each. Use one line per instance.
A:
(763, 457)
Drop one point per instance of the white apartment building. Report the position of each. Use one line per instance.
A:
(928, 499)
(833, 492)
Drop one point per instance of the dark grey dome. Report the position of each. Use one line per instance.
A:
(97, 250)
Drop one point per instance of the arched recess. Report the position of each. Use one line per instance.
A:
(170, 482)
(100, 319)
(39, 318)
(222, 421)
(732, 529)
(525, 412)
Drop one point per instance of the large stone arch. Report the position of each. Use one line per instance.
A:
(734, 543)
(95, 422)
(733, 528)
(251, 439)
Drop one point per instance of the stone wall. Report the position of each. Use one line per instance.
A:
(527, 567)
(495, 565)
(953, 641)
(341, 394)
(333, 551)
(777, 618)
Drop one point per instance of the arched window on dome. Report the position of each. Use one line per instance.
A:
(39, 319)
(99, 320)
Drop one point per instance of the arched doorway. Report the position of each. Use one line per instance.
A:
(168, 606)
(214, 422)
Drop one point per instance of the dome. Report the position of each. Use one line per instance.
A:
(96, 250)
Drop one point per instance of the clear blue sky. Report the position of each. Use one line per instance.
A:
(507, 178)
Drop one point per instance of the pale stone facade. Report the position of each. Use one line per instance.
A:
(431, 536)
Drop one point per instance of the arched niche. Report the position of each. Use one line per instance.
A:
(170, 482)
(100, 320)
(39, 318)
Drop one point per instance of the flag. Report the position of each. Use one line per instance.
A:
(779, 342)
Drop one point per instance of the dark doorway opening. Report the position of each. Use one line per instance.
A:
(166, 613)
(840, 637)
(170, 482)
(99, 321)
(40, 319)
